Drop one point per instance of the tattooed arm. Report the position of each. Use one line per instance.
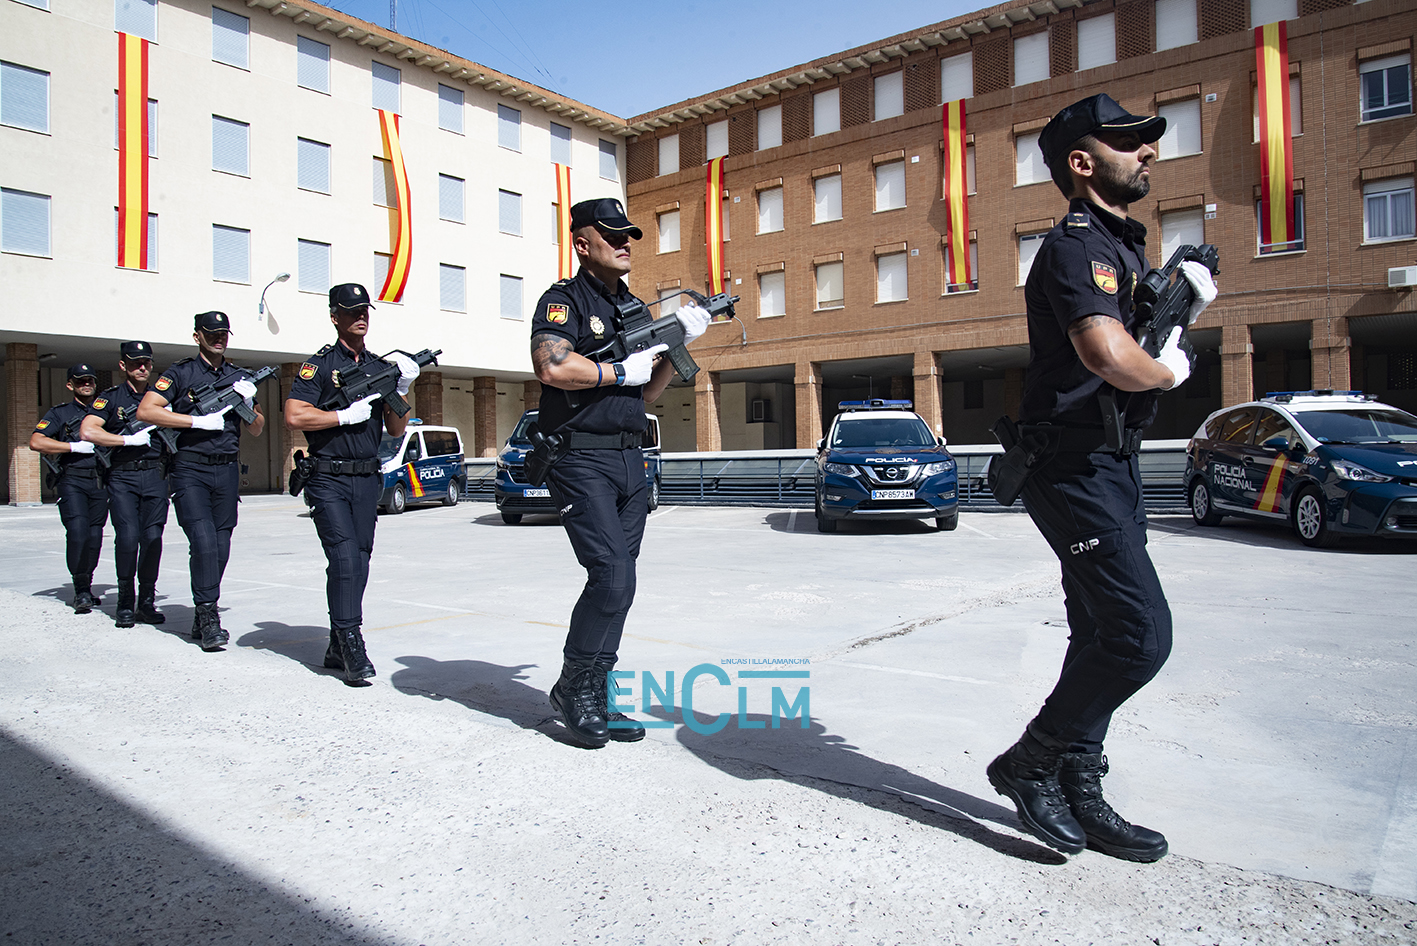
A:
(556, 364)
(1110, 352)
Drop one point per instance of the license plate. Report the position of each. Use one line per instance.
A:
(534, 493)
(892, 494)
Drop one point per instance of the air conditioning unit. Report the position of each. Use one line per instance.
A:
(1402, 277)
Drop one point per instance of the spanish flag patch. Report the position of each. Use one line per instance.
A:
(1105, 277)
(163, 383)
(556, 314)
(100, 403)
(307, 371)
(42, 424)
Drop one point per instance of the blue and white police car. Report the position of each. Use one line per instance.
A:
(425, 465)
(879, 460)
(1330, 463)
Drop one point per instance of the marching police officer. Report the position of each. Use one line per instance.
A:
(83, 504)
(137, 485)
(1086, 498)
(598, 482)
(206, 474)
(344, 485)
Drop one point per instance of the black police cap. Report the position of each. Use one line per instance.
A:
(1093, 114)
(349, 295)
(212, 322)
(135, 350)
(607, 214)
(82, 370)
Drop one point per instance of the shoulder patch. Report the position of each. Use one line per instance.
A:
(1105, 276)
(557, 314)
(163, 383)
(560, 283)
(307, 371)
(100, 403)
(324, 350)
(1075, 220)
(41, 425)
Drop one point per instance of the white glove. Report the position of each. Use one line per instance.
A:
(1200, 279)
(210, 421)
(244, 387)
(408, 372)
(80, 446)
(358, 412)
(141, 439)
(695, 319)
(639, 365)
(1172, 357)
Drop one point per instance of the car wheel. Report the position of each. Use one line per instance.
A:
(511, 518)
(1310, 520)
(947, 523)
(654, 494)
(454, 492)
(1201, 509)
(398, 502)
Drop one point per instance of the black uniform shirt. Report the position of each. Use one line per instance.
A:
(582, 311)
(314, 384)
(117, 406)
(52, 425)
(1088, 265)
(177, 383)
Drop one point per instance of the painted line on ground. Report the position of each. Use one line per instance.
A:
(911, 673)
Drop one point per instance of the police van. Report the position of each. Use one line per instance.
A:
(424, 465)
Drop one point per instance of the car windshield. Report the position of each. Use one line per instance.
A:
(388, 447)
(1359, 425)
(882, 432)
(519, 434)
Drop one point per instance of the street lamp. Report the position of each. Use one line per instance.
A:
(261, 309)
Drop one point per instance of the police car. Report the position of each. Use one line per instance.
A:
(516, 497)
(424, 465)
(1330, 463)
(879, 460)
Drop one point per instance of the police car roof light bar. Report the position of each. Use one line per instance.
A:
(873, 404)
(1285, 396)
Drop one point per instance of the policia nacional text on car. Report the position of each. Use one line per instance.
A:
(1085, 495)
(594, 418)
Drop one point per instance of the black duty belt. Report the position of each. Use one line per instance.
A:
(87, 472)
(342, 467)
(135, 465)
(208, 459)
(625, 439)
(1085, 439)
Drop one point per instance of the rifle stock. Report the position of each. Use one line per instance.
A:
(359, 382)
(638, 330)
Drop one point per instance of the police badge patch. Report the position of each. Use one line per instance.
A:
(100, 403)
(307, 371)
(556, 314)
(163, 383)
(1105, 276)
(597, 326)
(42, 424)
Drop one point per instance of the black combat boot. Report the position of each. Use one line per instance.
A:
(353, 660)
(333, 660)
(127, 601)
(84, 601)
(620, 727)
(1027, 774)
(1107, 831)
(581, 703)
(147, 606)
(207, 628)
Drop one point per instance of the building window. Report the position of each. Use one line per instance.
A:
(1387, 210)
(973, 283)
(511, 296)
(231, 38)
(831, 285)
(386, 87)
(231, 254)
(313, 263)
(24, 97)
(1181, 228)
(509, 128)
(1272, 11)
(37, 4)
(1028, 245)
(1176, 24)
(772, 294)
(450, 198)
(1402, 371)
(669, 232)
(727, 230)
(969, 186)
(1386, 86)
(560, 144)
(24, 222)
(826, 112)
(152, 124)
(1183, 129)
(1097, 41)
(382, 262)
(769, 127)
(452, 288)
(312, 165)
(890, 95)
(826, 191)
(1028, 161)
(609, 161)
(890, 278)
(890, 186)
(668, 155)
(450, 108)
(231, 146)
(385, 187)
(1296, 112)
(555, 223)
(669, 302)
(312, 65)
(770, 210)
(1293, 246)
(136, 18)
(152, 240)
(957, 77)
(1031, 58)
(717, 140)
(509, 213)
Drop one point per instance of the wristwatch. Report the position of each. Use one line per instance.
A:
(619, 374)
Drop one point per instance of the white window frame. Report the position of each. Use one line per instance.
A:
(233, 232)
(452, 198)
(306, 280)
(307, 56)
(511, 295)
(509, 204)
(669, 302)
(826, 192)
(382, 263)
(561, 144)
(772, 216)
(1384, 65)
(772, 294)
(668, 223)
(826, 112)
(889, 178)
(1296, 108)
(1031, 62)
(839, 268)
(888, 95)
(1299, 245)
(386, 81)
(609, 161)
(451, 109)
(152, 241)
(769, 127)
(716, 140)
(152, 125)
(957, 77)
(385, 190)
(668, 155)
(1387, 189)
(1029, 167)
(9, 72)
(14, 198)
(1263, 12)
(305, 154)
(231, 124)
(1097, 41)
(139, 20)
(1028, 244)
(952, 289)
(452, 280)
(1180, 227)
(1177, 24)
(888, 266)
(1183, 135)
(509, 128)
(232, 29)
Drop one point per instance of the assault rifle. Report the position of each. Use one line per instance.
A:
(637, 330)
(164, 437)
(209, 399)
(359, 382)
(51, 460)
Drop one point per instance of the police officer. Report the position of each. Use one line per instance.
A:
(83, 504)
(344, 485)
(137, 485)
(1086, 498)
(206, 474)
(599, 482)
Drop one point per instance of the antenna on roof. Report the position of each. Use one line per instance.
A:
(394, 15)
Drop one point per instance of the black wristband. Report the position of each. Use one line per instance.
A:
(619, 374)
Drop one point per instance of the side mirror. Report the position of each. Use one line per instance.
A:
(820, 442)
(1278, 442)
(941, 441)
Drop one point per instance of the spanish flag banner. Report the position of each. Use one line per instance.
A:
(403, 237)
(565, 254)
(956, 195)
(132, 152)
(713, 225)
(1276, 146)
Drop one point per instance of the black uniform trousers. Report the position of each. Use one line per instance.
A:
(206, 498)
(1089, 508)
(346, 510)
(83, 508)
(138, 499)
(603, 501)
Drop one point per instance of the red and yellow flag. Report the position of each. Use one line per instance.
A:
(956, 194)
(713, 224)
(415, 482)
(403, 237)
(1276, 146)
(132, 152)
(565, 254)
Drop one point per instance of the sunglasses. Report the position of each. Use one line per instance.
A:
(83, 381)
(138, 362)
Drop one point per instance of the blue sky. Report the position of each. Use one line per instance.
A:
(628, 58)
